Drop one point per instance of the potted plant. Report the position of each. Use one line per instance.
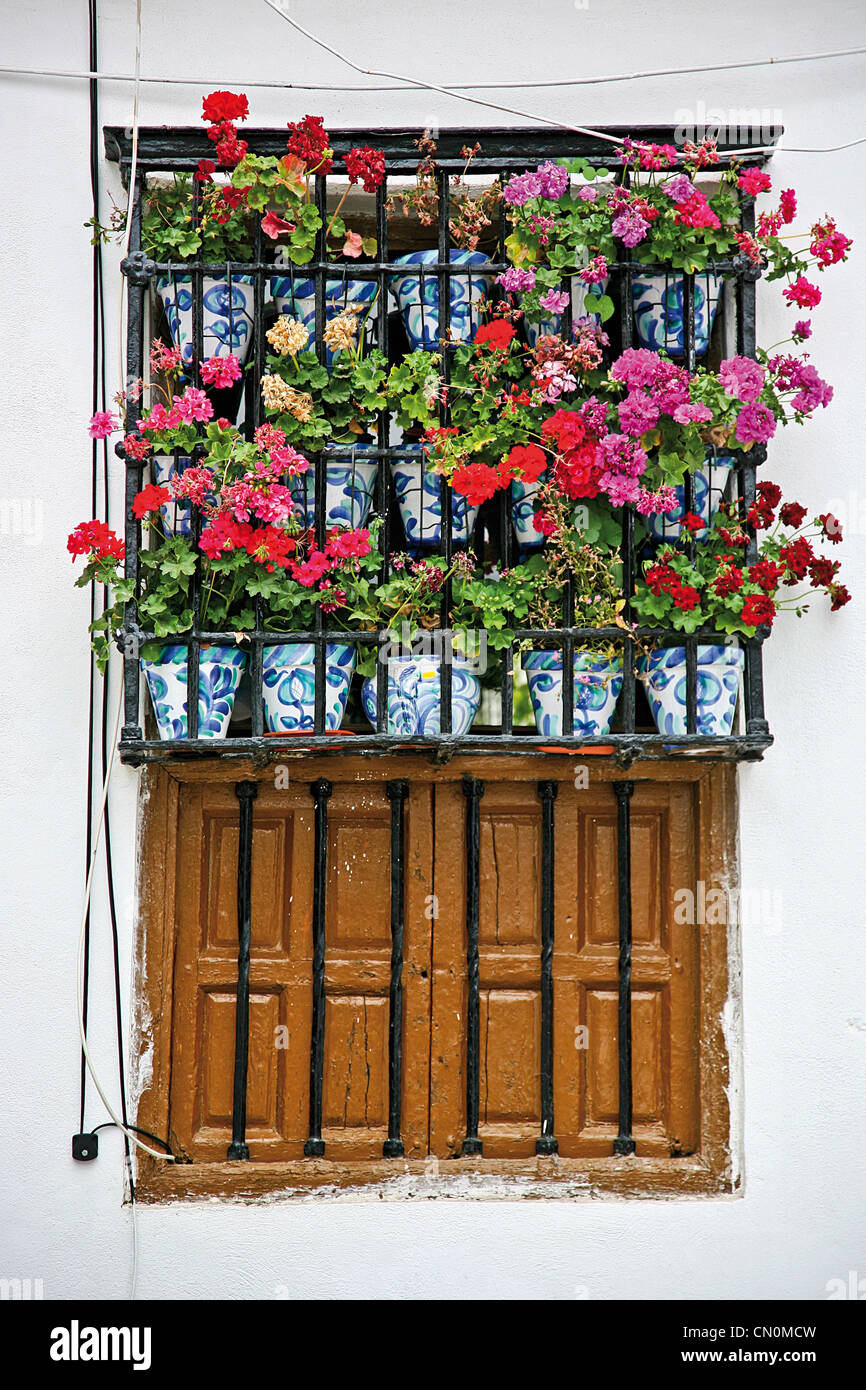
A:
(716, 588)
(330, 410)
(531, 595)
(286, 183)
(222, 231)
(410, 605)
(414, 390)
(417, 292)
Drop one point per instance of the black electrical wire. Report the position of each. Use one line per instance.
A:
(111, 1124)
(99, 401)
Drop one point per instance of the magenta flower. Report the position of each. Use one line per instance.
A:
(742, 378)
(554, 179)
(665, 500)
(693, 413)
(587, 193)
(630, 227)
(221, 371)
(102, 424)
(802, 330)
(555, 301)
(679, 189)
(194, 405)
(755, 424)
(514, 280)
(637, 414)
(802, 293)
(520, 188)
(635, 367)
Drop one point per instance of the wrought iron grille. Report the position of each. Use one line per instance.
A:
(503, 152)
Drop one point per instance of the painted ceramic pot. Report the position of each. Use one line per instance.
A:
(710, 485)
(414, 694)
(289, 685)
(658, 311)
(219, 674)
(553, 325)
(523, 497)
(350, 477)
(227, 314)
(419, 497)
(420, 308)
(597, 684)
(296, 297)
(664, 675)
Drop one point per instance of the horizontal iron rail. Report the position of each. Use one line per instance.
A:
(502, 147)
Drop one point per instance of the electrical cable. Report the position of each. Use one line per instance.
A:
(453, 87)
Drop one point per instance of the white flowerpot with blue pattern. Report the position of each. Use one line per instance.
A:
(420, 310)
(350, 477)
(523, 495)
(710, 486)
(419, 497)
(296, 296)
(219, 674)
(663, 673)
(658, 311)
(597, 684)
(227, 314)
(289, 685)
(553, 324)
(414, 687)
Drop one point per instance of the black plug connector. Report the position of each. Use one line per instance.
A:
(85, 1147)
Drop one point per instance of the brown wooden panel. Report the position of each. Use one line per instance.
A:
(355, 1089)
(218, 1034)
(510, 1062)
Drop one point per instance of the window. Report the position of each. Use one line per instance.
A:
(455, 946)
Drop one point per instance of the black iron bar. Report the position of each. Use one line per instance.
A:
(473, 790)
(137, 283)
(397, 793)
(320, 792)
(624, 1142)
(546, 1143)
(246, 792)
(445, 495)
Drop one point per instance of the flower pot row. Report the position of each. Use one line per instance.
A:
(414, 690)
(228, 305)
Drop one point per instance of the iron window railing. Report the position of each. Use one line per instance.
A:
(503, 152)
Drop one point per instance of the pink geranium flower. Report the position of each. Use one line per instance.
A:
(102, 424)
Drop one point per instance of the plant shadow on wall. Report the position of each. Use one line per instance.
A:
(579, 496)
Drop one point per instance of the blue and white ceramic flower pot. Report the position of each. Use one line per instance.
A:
(523, 497)
(289, 685)
(597, 684)
(414, 695)
(227, 314)
(553, 324)
(664, 675)
(296, 297)
(658, 311)
(420, 309)
(350, 477)
(710, 485)
(219, 674)
(419, 497)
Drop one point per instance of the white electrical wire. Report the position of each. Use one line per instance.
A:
(90, 75)
(131, 193)
(277, 7)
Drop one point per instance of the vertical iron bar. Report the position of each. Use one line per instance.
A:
(546, 1143)
(445, 494)
(624, 1143)
(628, 653)
(320, 792)
(136, 286)
(383, 424)
(320, 458)
(246, 792)
(393, 1145)
(473, 790)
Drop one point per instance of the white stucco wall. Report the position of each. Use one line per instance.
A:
(801, 1221)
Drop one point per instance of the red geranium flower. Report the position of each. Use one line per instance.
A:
(792, 514)
(476, 482)
(496, 335)
(309, 141)
(224, 106)
(525, 461)
(150, 499)
(832, 527)
(754, 181)
(758, 609)
(366, 166)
